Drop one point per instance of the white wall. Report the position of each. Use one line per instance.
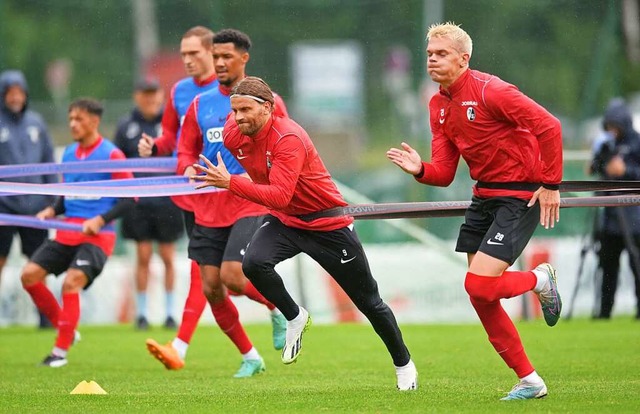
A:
(421, 285)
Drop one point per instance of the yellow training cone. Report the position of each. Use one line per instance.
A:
(85, 387)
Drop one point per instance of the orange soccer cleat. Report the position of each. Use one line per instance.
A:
(166, 354)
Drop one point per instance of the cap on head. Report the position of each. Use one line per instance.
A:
(147, 85)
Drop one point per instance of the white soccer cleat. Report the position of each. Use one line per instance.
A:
(293, 343)
(54, 361)
(407, 377)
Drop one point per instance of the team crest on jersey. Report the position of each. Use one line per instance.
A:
(268, 159)
(34, 134)
(471, 113)
(4, 134)
(133, 130)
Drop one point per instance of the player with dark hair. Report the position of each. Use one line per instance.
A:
(287, 176)
(82, 255)
(195, 49)
(513, 147)
(224, 223)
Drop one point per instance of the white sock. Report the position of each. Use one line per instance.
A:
(409, 367)
(180, 346)
(299, 320)
(275, 312)
(296, 323)
(532, 379)
(542, 280)
(59, 352)
(252, 354)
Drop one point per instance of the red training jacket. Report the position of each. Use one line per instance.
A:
(503, 135)
(287, 174)
(224, 208)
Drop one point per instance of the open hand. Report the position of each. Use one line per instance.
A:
(549, 206)
(215, 176)
(406, 158)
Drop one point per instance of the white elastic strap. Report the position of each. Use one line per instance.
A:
(255, 98)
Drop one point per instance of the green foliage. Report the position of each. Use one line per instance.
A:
(568, 55)
(588, 367)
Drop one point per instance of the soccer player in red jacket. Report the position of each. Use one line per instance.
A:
(513, 148)
(225, 222)
(287, 176)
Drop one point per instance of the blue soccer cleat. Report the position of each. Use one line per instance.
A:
(548, 295)
(250, 367)
(524, 391)
(279, 325)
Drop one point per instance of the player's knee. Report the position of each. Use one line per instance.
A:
(31, 274)
(368, 304)
(253, 265)
(480, 288)
(214, 292)
(233, 281)
(74, 282)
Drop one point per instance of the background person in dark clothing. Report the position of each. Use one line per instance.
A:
(617, 157)
(24, 139)
(153, 218)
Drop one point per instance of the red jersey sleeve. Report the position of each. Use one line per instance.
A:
(288, 157)
(190, 143)
(166, 142)
(280, 109)
(508, 103)
(444, 155)
(117, 154)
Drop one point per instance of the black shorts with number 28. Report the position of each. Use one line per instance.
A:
(500, 227)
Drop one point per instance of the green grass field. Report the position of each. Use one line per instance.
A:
(588, 366)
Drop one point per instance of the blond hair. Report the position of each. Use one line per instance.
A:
(205, 35)
(454, 32)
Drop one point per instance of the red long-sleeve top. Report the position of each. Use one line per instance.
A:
(224, 208)
(287, 174)
(503, 135)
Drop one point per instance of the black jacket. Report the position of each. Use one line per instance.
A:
(627, 145)
(24, 139)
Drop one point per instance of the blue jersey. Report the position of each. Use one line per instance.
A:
(183, 94)
(88, 207)
(212, 109)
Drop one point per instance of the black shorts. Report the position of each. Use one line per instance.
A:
(214, 245)
(500, 227)
(56, 258)
(160, 222)
(30, 239)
